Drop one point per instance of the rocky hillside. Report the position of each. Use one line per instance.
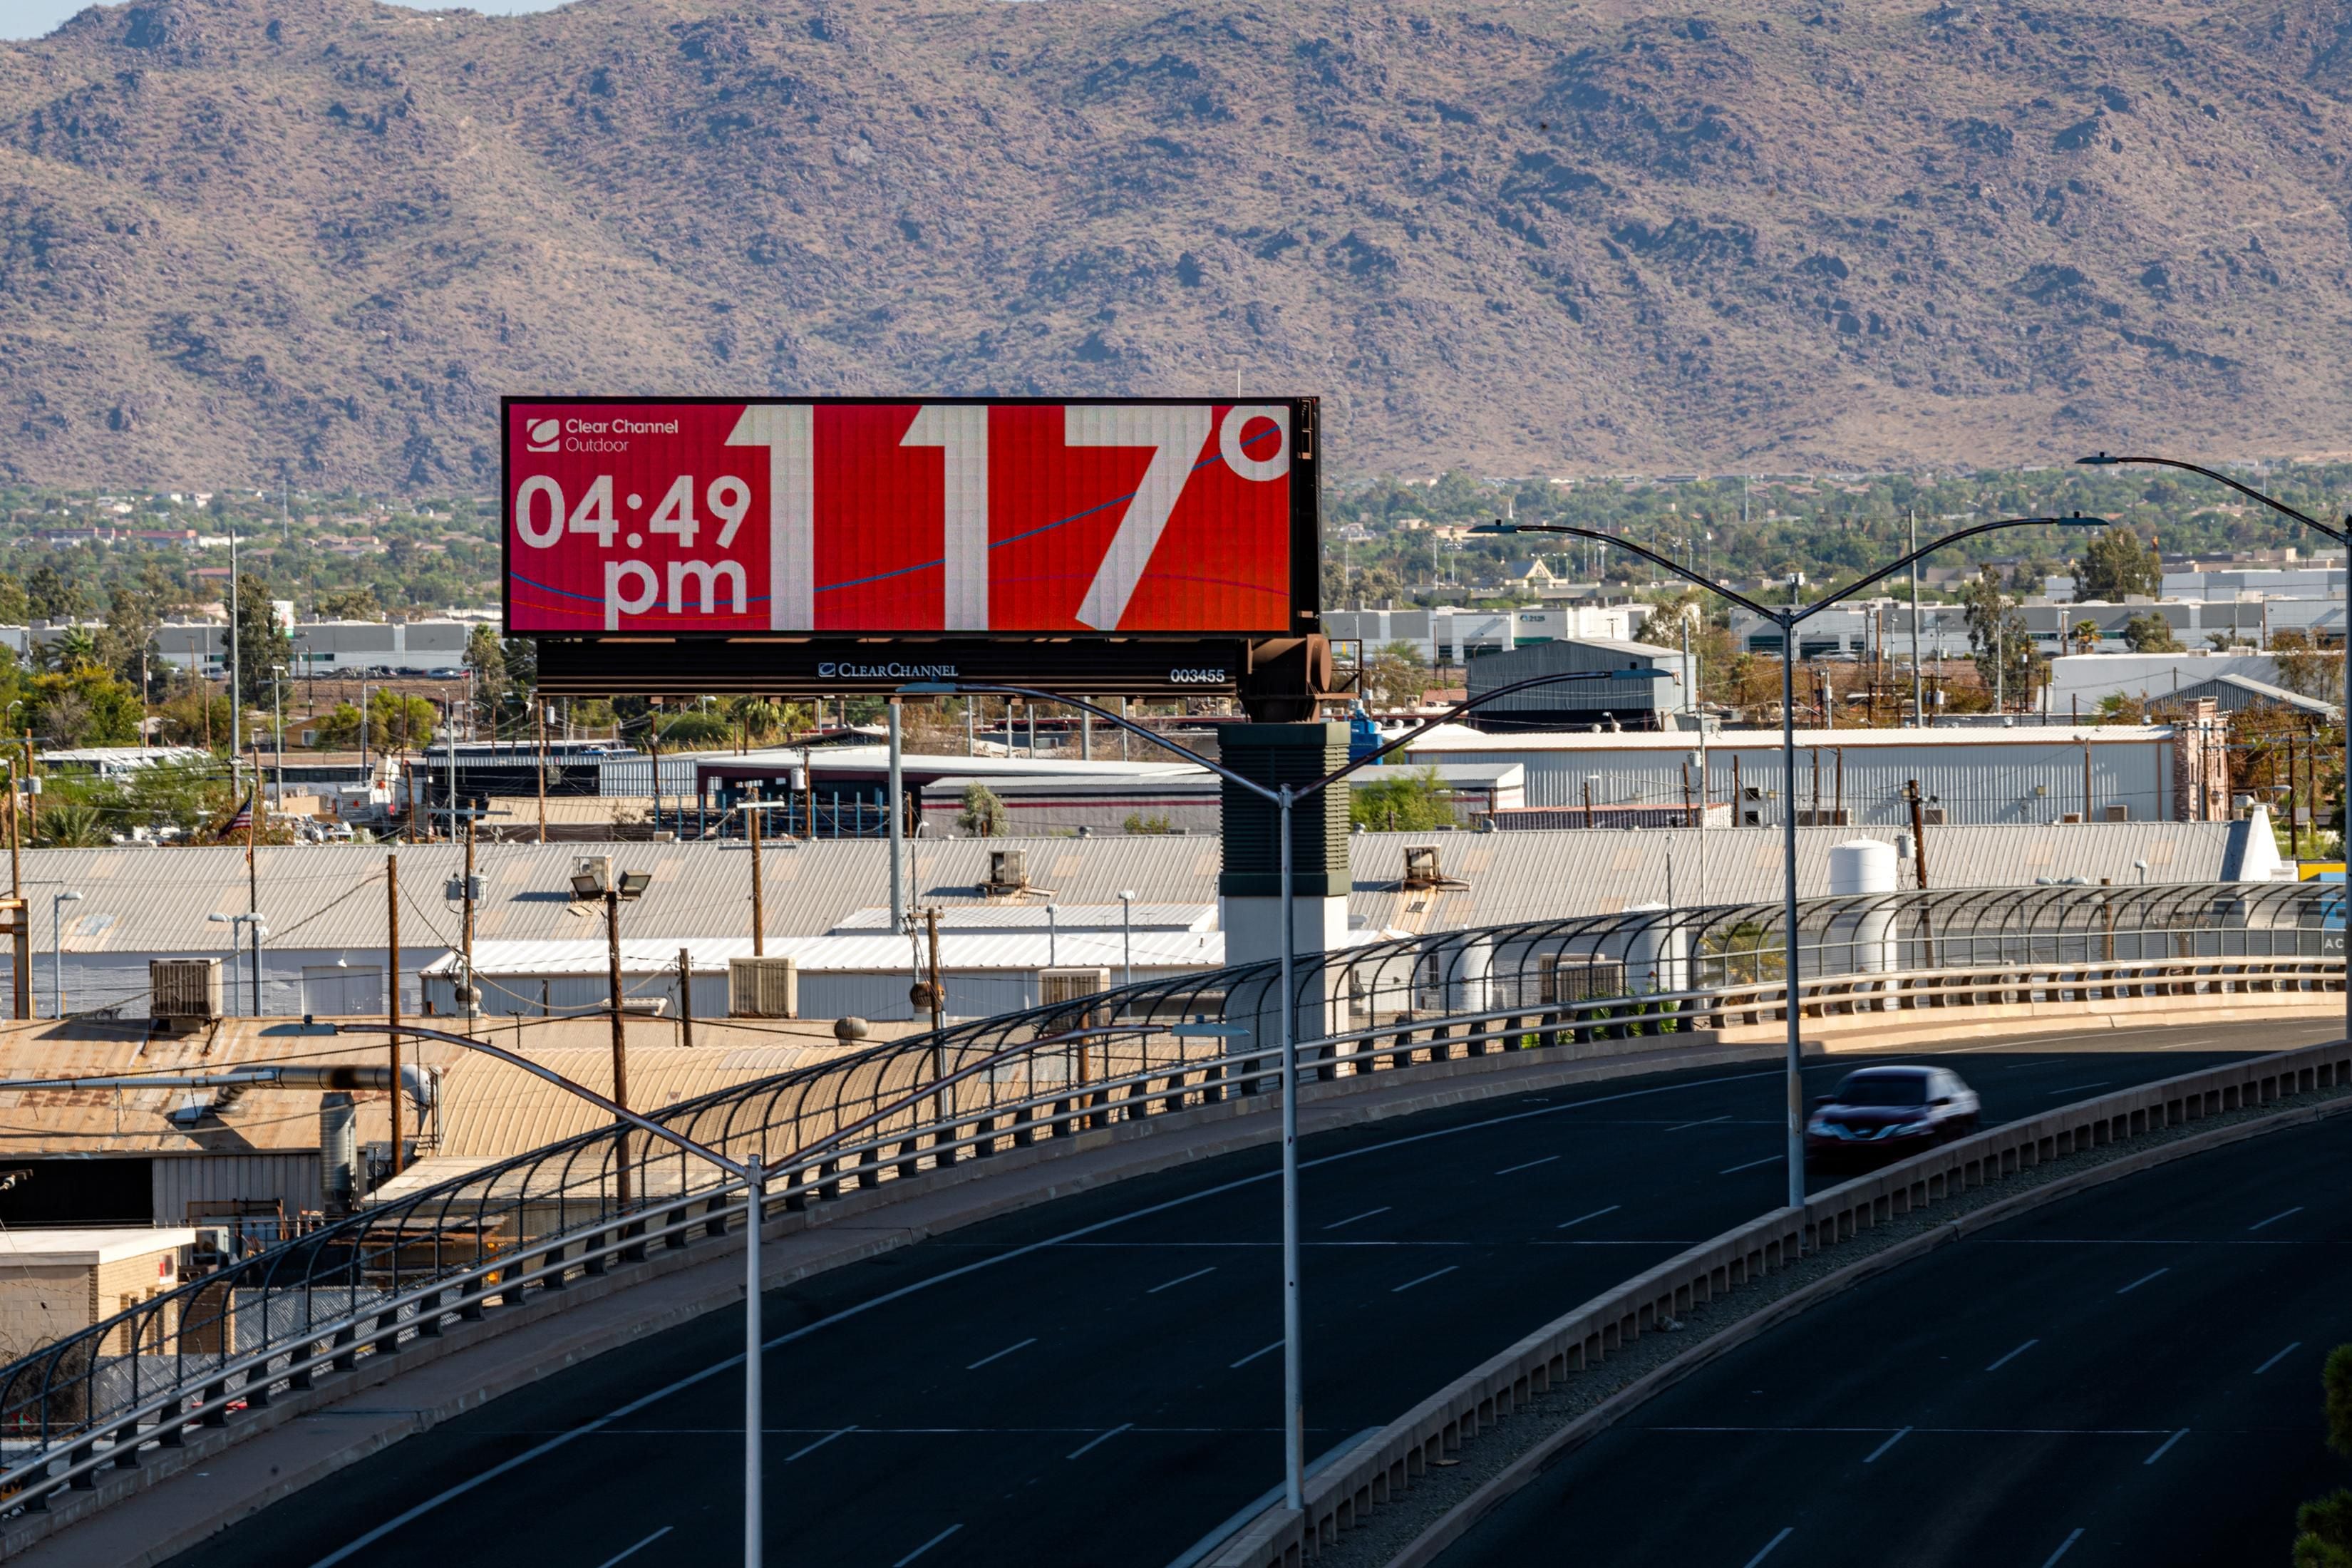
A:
(1526, 239)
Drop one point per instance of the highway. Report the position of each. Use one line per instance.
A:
(1097, 1380)
(2129, 1377)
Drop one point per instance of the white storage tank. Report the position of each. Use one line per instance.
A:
(1858, 868)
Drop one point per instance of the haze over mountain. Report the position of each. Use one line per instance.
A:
(1524, 239)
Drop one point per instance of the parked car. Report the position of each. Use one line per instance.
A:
(1880, 1114)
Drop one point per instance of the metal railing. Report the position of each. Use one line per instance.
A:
(527, 1227)
(1380, 1468)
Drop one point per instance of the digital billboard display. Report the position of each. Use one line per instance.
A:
(967, 518)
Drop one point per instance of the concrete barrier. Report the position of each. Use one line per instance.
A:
(1382, 1467)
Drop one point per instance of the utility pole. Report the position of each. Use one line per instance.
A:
(467, 888)
(539, 708)
(237, 672)
(685, 998)
(392, 988)
(1918, 693)
(1919, 831)
(938, 988)
(758, 883)
(620, 1041)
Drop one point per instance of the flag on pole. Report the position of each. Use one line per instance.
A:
(243, 818)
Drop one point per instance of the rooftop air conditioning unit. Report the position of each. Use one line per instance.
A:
(1069, 985)
(1931, 816)
(1008, 870)
(186, 992)
(1420, 869)
(762, 988)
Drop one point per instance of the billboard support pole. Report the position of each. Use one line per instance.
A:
(898, 822)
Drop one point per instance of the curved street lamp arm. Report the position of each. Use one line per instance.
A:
(2338, 533)
(1035, 694)
(1646, 553)
(1369, 758)
(1302, 791)
(612, 1108)
(1851, 589)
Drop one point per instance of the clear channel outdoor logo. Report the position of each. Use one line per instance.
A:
(544, 435)
(829, 671)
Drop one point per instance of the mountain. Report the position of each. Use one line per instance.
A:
(1522, 238)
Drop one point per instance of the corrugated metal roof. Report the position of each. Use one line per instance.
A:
(1033, 917)
(881, 953)
(1541, 875)
(1458, 738)
(330, 897)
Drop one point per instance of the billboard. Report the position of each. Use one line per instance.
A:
(752, 519)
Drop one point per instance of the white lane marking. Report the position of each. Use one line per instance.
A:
(1262, 1350)
(1786, 1531)
(1106, 1437)
(2012, 1355)
(1368, 1214)
(1767, 1160)
(1888, 1444)
(1710, 1121)
(926, 1546)
(695, 1379)
(1596, 1214)
(640, 1546)
(1423, 1279)
(2144, 1279)
(1182, 1279)
(2278, 1358)
(1000, 1355)
(2283, 1214)
(2081, 1086)
(2063, 1547)
(821, 1442)
(1531, 1165)
(2168, 1442)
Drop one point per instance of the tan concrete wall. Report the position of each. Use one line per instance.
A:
(44, 1301)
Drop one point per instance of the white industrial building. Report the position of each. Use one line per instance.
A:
(331, 648)
(1449, 634)
(2029, 774)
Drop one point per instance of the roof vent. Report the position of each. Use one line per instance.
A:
(1422, 869)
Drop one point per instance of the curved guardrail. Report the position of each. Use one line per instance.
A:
(528, 1226)
(1379, 1469)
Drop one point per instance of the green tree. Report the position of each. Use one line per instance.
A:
(485, 656)
(2150, 633)
(348, 605)
(1412, 801)
(85, 707)
(71, 825)
(50, 596)
(126, 644)
(1396, 676)
(1998, 639)
(697, 729)
(14, 608)
(399, 722)
(2325, 1538)
(261, 640)
(983, 816)
(2307, 669)
(2114, 565)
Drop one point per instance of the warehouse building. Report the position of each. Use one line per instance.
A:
(2027, 775)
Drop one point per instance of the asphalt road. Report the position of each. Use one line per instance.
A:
(2129, 1377)
(1098, 1380)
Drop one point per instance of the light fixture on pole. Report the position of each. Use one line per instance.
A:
(58, 951)
(754, 1174)
(259, 931)
(1283, 797)
(1788, 618)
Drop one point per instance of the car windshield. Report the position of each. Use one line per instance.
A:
(1883, 1088)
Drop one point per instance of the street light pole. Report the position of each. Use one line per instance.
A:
(58, 951)
(2342, 534)
(1282, 797)
(754, 1174)
(1788, 619)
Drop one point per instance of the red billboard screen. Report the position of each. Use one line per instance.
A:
(873, 517)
